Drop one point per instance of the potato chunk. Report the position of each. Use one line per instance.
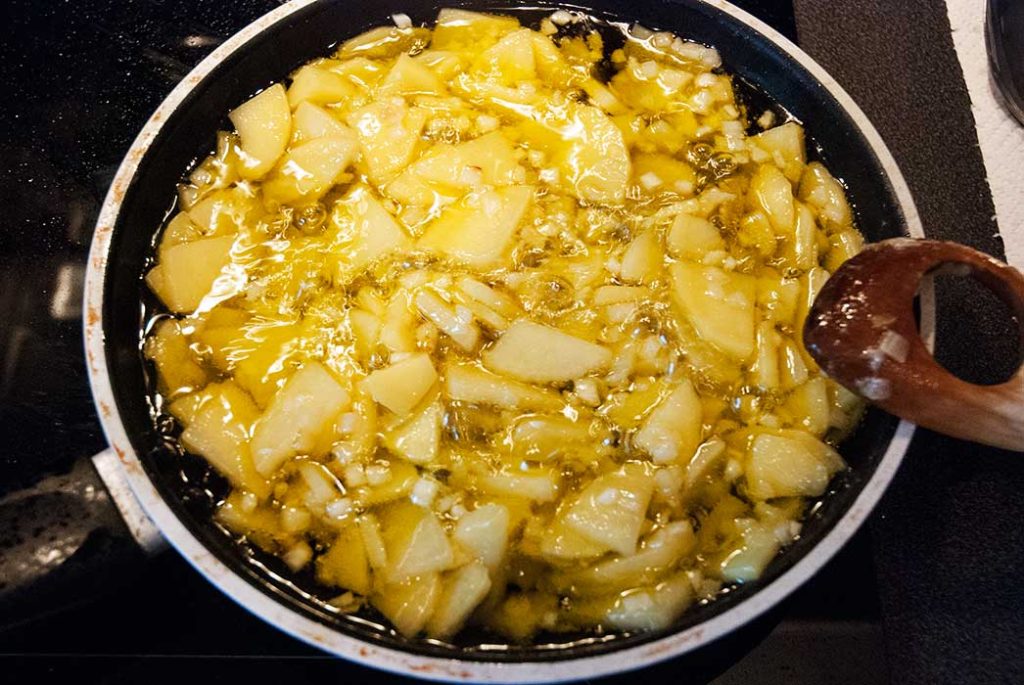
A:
(484, 533)
(535, 353)
(264, 124)
(304, 408)
(219, 431)
(187, 272)
(467, 383)
(345, 564)
(415, 541)
(611, 509)
(318, 86)
(310, 121)
(463, 591)
(309, 170)
(365, 230)
(791, 464)
(409, 605)
(673, 430)
(785, 145)
(719, 304)
(409, 77)
(418, 439)
(478, 230)
(772, 193)
(401, 386)
(389, 133)
(692, 237)
(458, 29)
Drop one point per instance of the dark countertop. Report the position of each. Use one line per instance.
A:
(928, 592)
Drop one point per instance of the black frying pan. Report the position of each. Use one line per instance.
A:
(179, 492)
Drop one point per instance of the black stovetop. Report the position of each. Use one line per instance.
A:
(923, 594)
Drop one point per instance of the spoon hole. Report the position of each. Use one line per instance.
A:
(977, 333)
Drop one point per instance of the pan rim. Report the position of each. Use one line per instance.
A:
(324, 637)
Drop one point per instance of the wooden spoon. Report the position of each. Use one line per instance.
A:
(862, 331)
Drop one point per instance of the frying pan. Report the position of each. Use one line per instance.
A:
(178, 493)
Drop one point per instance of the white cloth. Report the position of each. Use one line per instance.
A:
(1000, 136)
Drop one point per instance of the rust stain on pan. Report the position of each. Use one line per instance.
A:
(92, 317)
(105, 409)
(660, 648)
(429, 668)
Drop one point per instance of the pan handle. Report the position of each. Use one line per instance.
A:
(69, 538)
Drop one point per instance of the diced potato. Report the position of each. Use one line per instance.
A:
(844, 245)
(317, 86)
(310, 169)
(219, 432)
(692, 237)
(365, 332)
(221, 212)
(458, 29)
(366, 230)
(460, 329)
(415, 541)
(756, 232)
(401, 386)
(561, 542)
(345, 563)
(532, 352)
(464, 590)
(785, 145)
(659, 553)
(543, 438)
(409, 605)
(397, 329)
(510, 59)
(305, 407)
(389, 134)
(652, 609)
(772, 193)
(478, 230)
(418, 439)
(719, 304)
(188, 271)
(758, 546)
(409, 77)
(168, 348)
(376, 552)
(467, 383)
(672, 431)
(765, 370)
(793, 464)
(586, 148)
(484, 533)
(452, 170)
(383, 42)
(801, 250)
(310, 121)
(180, 229)
(536, 484)
(641, 263)
(823, 192)
(612, 508)
(810, 407)
(264, 125)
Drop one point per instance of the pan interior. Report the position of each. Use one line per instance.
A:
(765, 75)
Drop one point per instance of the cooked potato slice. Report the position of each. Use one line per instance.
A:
(418, 439)
(785, 146)
(536, 353)
(652, 609)
(401, 386)
(692, 237)
(719, 304)
(310, 169)
(823, 192)
(389, 134)
(458, 29)
(318, 86)
(484, 533)
(478, 230)
(409, 605)
(672, 431)
(464, 590)
(641, 263)
(304, 408)
(415, 541)
(467, 383)
(409, 77)
(458, 326)
(345, 563)
(366, 231)
(219, 431)
(167, 347)
(310, 121)
(264, 125)
(772, 193)
(188, 271)
(510, 60)
(792, 464)
(612, 508)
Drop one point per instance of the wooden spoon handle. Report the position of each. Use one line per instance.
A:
(862, 331)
